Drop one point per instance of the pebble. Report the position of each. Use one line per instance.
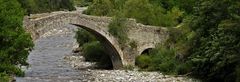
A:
(125, 75)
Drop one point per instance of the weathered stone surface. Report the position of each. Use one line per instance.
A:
(144, 36)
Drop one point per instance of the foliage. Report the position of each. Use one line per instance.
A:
(90, 49)
(82, 3)
(11, 69)
(94, 52)
(118, 29)
(143, 61)
(162, 59)
(141, 10)
(145, 12)
(84, 36)
(205, 41)
(215, 55)
(4, 77)
(15, 43)
(128, 67)
(41, 6)
(100, 8)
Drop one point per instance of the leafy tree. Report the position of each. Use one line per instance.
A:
(100, 8)
(41, 6)
(15, 43)
(215, 55)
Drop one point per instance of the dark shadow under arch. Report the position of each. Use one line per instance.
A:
(146, 51)
(109, 48)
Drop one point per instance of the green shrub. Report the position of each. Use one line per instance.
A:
(118, 29)
(142, 10)
(83, 3)
(143, 61)
(4, 77)
(15, 42)
(215, 53)
(84, 36)
(100, 8)
(183, 68)
(11, 69)
(163, 59)
(94, 52)
(128, 67)
(42, 6)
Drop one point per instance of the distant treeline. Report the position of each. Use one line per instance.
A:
(41, 6)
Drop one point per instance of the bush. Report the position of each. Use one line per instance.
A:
(100, 8)
(82, 3)
(84, 36)
(163, 59)
(118, 29)
(142, 10)
(143, 61)
(11, 69)
(4, 77)
(42, 6)
(15, 42)
(94, 52)
(215, 53)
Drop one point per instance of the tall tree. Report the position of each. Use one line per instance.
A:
(215, 55)
(15, 43)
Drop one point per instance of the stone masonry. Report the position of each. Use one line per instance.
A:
(143, 36)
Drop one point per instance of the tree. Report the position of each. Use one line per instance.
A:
(15, 43)
(215, 55)
(100, 8)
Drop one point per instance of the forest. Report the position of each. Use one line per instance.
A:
(204, 35)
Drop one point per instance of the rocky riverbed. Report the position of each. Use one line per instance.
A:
(77, 62)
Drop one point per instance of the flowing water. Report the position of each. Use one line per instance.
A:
(47, 59)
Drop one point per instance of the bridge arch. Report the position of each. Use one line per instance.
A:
(113, 53)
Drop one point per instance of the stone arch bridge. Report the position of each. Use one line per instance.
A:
(143, 36)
